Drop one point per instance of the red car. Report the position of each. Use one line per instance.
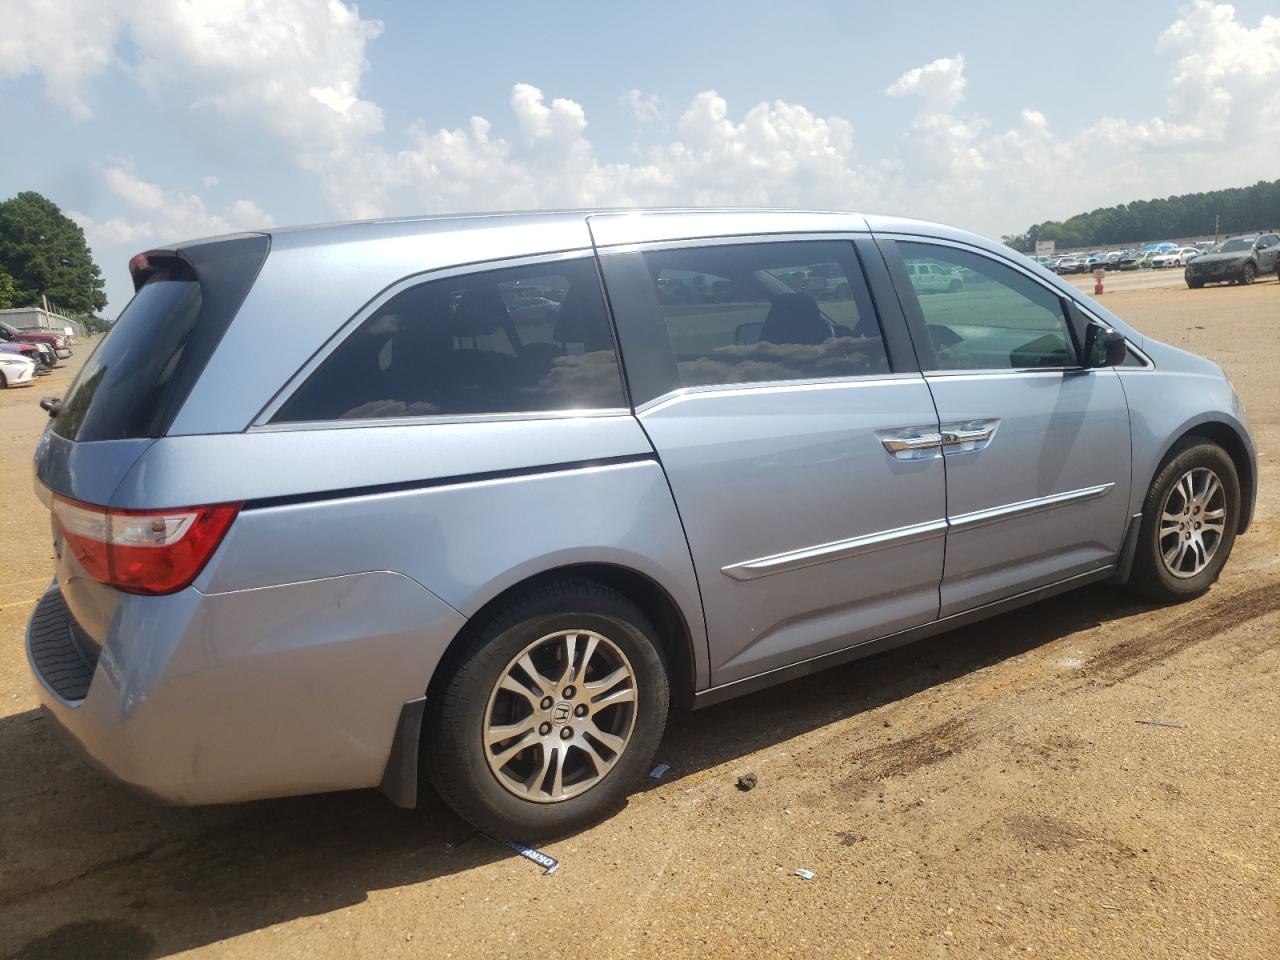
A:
(57, 341)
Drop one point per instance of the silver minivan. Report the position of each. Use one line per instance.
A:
(477, 498)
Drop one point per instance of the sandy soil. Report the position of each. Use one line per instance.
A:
(985, 793)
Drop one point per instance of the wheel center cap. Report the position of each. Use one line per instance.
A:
(561, 713)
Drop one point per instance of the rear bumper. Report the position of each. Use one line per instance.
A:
(228, 697)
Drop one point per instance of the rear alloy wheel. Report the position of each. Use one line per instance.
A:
(552, 712)
(547, 739)
(1189, 521)
(1247, 273)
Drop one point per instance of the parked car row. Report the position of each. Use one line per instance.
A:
(20, 348)
(1152, 255)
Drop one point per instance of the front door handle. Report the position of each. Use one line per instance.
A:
(952, 437)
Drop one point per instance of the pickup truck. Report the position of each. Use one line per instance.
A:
(57, 341)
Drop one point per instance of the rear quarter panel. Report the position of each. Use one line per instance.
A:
(466, 510)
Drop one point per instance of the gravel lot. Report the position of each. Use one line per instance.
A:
(985, 793)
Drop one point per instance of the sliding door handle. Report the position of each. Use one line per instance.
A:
(926, 441)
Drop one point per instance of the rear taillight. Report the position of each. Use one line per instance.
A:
(142, 551)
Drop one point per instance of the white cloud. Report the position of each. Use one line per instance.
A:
(69, 43)
(1214, 133)
(778, 153)
(1225, 66)
(290, 69)
(291, 72)
(941, 83)
(646, 108)
(152, 215)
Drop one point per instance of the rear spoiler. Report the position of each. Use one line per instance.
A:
(174, 263)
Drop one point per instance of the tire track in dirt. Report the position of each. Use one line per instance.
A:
(1130, 657)
(899, 758)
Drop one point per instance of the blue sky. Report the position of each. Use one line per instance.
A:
(157, 122)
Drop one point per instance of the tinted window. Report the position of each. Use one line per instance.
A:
(772, 311)
(142, 371)
(983, 315)
(520, 339)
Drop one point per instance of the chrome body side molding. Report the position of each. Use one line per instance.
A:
(856, 546)
(837, 550)
(1007, 511)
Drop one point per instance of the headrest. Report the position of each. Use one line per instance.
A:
(478, 312)
(581, 320)
(795, 318)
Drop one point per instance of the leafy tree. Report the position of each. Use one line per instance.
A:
(8, 291)
(45, 253)
(1238, 210)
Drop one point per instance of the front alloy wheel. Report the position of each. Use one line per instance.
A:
(1189, 521)
(1192, 522)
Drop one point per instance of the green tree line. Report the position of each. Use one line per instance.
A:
(1238, 210)
(43, 253)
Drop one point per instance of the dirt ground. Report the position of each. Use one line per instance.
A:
(986, 793)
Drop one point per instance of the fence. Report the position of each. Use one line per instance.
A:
(33, 318)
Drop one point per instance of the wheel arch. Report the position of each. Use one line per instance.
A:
(674, 633)
(401, 778)
(1230, 439)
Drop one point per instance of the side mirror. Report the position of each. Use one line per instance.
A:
(50, 405)
(1104, 346)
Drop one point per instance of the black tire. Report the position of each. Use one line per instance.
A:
(953, 286)
(4, 384)
(454, 750)
(1150, 577)
(1247, 273)
(1195, 284)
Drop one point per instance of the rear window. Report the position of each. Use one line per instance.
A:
(139, 376)
(519, 339)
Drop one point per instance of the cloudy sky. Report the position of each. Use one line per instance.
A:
(158, 121)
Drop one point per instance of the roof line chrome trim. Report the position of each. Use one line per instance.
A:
(732, 240)
(980, 518)
(837, 550)
(437, 420)
(780, 386)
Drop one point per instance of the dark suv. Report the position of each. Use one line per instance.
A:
(1239, 260)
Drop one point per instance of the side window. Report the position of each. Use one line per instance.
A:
(983, 315)
(518, 339)
(768, 311)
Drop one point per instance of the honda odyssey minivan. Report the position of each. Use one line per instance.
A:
(475, 499)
